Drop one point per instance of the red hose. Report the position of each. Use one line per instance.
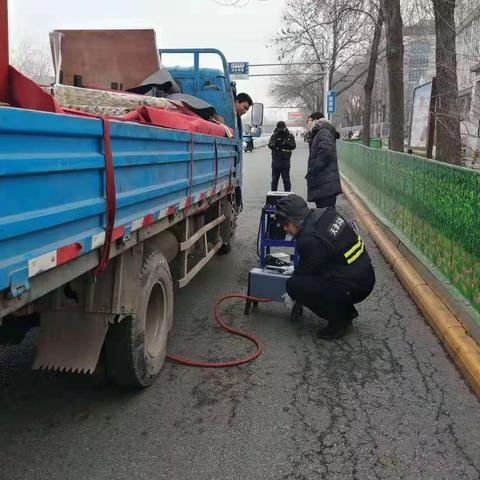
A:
(234, 331)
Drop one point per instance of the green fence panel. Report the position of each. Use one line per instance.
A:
(434, 205)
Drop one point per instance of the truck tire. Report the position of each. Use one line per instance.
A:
(135, 348)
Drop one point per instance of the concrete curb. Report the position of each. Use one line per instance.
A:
(463, 349)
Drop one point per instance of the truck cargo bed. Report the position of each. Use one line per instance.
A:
(52, 185)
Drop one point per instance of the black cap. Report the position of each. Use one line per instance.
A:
(294, 208)
(281, 124)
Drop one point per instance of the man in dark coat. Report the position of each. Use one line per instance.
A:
(281, 143)
(323, 179)
(334, 272)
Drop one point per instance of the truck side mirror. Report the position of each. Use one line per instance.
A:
(256, 132)
(257, 114)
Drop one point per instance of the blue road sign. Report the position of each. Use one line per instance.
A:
(332, 101)
(238, 69)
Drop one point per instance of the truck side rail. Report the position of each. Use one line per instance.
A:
(52, 205)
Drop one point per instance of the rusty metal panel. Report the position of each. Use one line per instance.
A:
(3, 51)
(112, 59)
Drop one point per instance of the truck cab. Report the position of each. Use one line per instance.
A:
(214, 86)
(209, 84)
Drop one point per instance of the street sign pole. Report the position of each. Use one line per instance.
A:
(432, 118)
(326, 88)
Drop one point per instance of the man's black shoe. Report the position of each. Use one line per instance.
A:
(297, 311)
(334, 330)
(354, 312)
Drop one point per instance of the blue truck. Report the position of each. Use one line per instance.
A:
(177, 198)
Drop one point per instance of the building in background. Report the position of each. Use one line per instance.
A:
(468, 68)
(296, 118)
(418, 68)
(418, 62)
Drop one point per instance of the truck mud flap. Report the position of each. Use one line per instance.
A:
(71, 341)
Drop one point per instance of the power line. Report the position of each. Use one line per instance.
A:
(281, 74)
(284, 64)
(286, 107)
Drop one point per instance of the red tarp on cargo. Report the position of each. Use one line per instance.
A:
(24, 93)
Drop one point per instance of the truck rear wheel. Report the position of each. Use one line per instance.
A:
(228, 227)
(136, 347)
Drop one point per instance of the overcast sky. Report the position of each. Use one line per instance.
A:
(241, 33)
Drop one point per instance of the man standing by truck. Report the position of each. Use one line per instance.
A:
(323, 178)
(281, 143)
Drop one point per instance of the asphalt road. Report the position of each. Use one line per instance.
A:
(385, 402)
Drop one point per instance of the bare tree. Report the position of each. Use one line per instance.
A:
(376, 89)
(468, 56)
(370, 80)
(330, 31)
(449, 143)
(416, 12)
(299, 89)
(394, 26)
(350, 107)
(32, 60)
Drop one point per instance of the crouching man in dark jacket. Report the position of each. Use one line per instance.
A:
(323, 179)
(334, 272)
(281, 143)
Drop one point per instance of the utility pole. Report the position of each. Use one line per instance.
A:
(326, 85)
(326, 89)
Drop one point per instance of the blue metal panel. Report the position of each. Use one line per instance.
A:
(209, 85)
(194, 81)
(52, 179)
(212, 85)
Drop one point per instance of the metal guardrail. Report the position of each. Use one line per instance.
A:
(433, 205)
(374, 142)
(380, 130)
(261, 141)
